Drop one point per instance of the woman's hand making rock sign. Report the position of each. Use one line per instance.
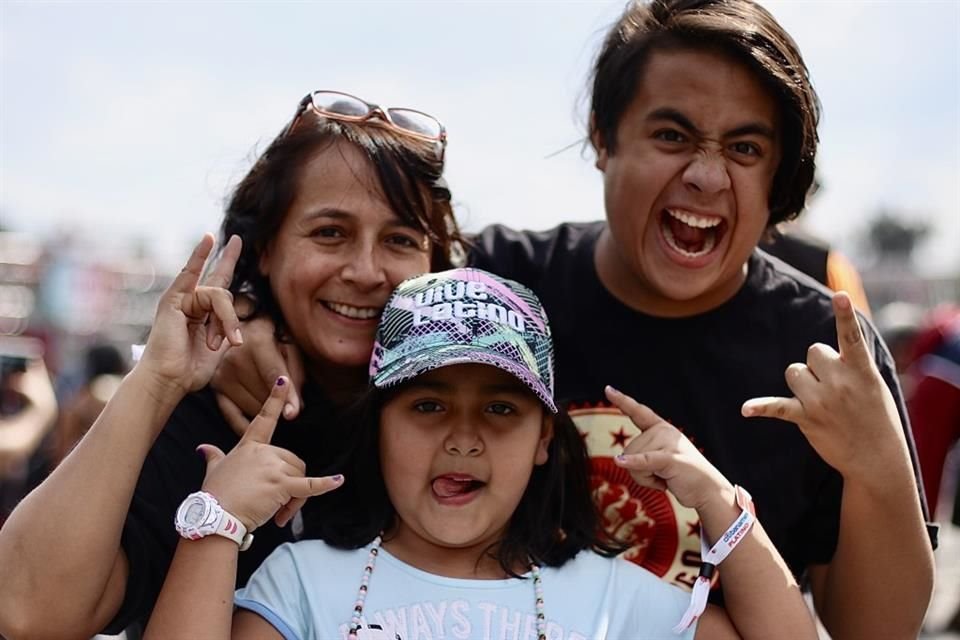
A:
(257, 480)
(195, 324)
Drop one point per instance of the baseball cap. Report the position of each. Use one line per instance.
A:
(464, 316)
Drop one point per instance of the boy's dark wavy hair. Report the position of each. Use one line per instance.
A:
(409, 171)
(555, 519)
(741, 29)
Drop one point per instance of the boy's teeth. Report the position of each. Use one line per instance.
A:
(688, 218)
(709, 242)
(359, 313)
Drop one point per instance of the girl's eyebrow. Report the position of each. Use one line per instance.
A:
(515, 387)
(437, 386)
(428, 385)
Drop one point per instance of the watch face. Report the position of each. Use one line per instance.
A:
(194, 514)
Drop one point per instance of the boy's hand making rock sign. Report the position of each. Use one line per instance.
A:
(840, 402)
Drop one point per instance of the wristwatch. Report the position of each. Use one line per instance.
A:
(200, 515)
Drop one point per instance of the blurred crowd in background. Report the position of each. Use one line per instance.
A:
(67, 320)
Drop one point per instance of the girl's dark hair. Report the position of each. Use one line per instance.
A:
(741, 29)
(555, 519)
(409, 171)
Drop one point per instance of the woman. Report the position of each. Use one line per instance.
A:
(343, 205)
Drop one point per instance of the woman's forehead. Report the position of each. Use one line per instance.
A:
(340, 177)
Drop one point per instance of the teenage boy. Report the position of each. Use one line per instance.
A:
(703, 119)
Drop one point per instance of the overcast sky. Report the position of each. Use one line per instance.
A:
(123, 120)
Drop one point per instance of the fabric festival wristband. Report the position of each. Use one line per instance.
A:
(714, 556)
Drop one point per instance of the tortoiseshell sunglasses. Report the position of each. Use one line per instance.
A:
(337, 105)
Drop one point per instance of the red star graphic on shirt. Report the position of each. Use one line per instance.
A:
(620, 438)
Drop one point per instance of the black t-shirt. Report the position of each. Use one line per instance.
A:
(695, 372)
(173, 470)
(799, 250)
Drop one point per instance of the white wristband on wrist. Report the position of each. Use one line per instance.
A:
(711, 557)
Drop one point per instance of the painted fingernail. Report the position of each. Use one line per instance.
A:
(337, 478)
(281, 381)
(620, 458)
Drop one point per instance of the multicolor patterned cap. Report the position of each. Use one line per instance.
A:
(464, 316)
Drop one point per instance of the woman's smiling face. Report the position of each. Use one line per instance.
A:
(338, 254)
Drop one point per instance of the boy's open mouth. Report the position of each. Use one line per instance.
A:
(689, 234)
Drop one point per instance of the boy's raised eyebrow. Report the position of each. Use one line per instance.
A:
(673, 115)
(753, 129)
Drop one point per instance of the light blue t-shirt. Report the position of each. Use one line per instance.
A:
(307, 590)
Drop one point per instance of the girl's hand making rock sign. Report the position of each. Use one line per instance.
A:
(257, 480)
(758, 587)
(195, 324)
(663, 458)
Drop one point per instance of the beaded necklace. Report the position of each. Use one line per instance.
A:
(365, 586)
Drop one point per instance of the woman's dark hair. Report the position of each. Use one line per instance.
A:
(555, 519)
(409, 171)
(741, 29)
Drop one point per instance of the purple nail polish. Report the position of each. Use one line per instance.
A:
(337, 478)
(281, 381)
(620, 457)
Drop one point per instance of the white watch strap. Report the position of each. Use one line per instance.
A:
(231, 527)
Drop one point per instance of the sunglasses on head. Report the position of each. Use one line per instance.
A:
(336, 105)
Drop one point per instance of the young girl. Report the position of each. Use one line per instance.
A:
(467, 511)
